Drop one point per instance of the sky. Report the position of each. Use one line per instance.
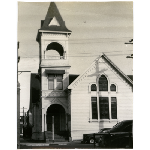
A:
(96, 27)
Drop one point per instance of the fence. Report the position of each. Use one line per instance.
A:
(111, 136)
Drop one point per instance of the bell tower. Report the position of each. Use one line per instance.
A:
(53, 44)
(53, 69)
(53, 39)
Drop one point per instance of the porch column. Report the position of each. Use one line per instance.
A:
(66, 121)
(45, 124)
(44, 127)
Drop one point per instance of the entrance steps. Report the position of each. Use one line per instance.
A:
(59, 137)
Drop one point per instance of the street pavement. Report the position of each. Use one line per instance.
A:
(27, 144)
(67, 146)
(62, 145)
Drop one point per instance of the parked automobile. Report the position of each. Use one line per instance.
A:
(89, 138)
(119, 136)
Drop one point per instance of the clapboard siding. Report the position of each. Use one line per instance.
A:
(81, 101)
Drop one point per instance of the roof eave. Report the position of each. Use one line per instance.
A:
(125, 76)
(55, 31)
(50, 31)
(118, 69)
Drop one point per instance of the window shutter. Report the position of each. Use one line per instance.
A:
(104, 107)
(113, 108)
(94, 107)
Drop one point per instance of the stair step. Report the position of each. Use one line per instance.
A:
(60, 137)
(50, 136)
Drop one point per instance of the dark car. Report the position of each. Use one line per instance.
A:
(120, 136)
(89, 138)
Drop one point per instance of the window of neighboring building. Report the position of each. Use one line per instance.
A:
(112, 87)
(104, 107)
(103, 83)
(93, 87)
(94, 107)
(113, 108)
(55, 82)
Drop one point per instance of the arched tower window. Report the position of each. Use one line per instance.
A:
(93, 87)
(54, 46)
(113, 87)
(103, 83)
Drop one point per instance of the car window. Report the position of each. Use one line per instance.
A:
(120, 126)
(127, 128)
(116, 127)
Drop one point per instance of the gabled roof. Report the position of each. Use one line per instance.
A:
(131, 77)
(118, 70)
(53, 21)
(128, 80)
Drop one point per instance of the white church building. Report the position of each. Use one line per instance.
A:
(98, 98)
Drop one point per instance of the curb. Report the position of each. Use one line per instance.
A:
(41, 144)
(58, 144)
(34, 144)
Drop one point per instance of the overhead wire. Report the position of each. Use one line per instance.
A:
(80, 56)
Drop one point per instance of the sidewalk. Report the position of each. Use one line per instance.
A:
(29, 142)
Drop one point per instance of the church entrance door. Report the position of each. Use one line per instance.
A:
(58, 112)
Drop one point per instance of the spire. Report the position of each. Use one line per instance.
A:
(53, 20)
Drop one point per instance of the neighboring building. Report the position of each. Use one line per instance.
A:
(21, 125)
(98, 98)
(18, 106)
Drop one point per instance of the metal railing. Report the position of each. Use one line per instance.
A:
(110, 137)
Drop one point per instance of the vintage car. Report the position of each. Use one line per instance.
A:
(89, 138)
(119, 136)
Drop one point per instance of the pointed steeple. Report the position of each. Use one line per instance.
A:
(53, 20)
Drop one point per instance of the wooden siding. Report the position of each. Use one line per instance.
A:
(81, 99)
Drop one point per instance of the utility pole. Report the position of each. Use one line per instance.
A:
(130, 42)
(23, 114)
(23, 120)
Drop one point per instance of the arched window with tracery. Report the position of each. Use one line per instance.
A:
(103, 83)
(93, 87)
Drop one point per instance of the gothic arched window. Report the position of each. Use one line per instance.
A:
(112, 87)
(103, 83)
(93, 87)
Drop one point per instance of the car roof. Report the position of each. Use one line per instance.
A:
(119, 126)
